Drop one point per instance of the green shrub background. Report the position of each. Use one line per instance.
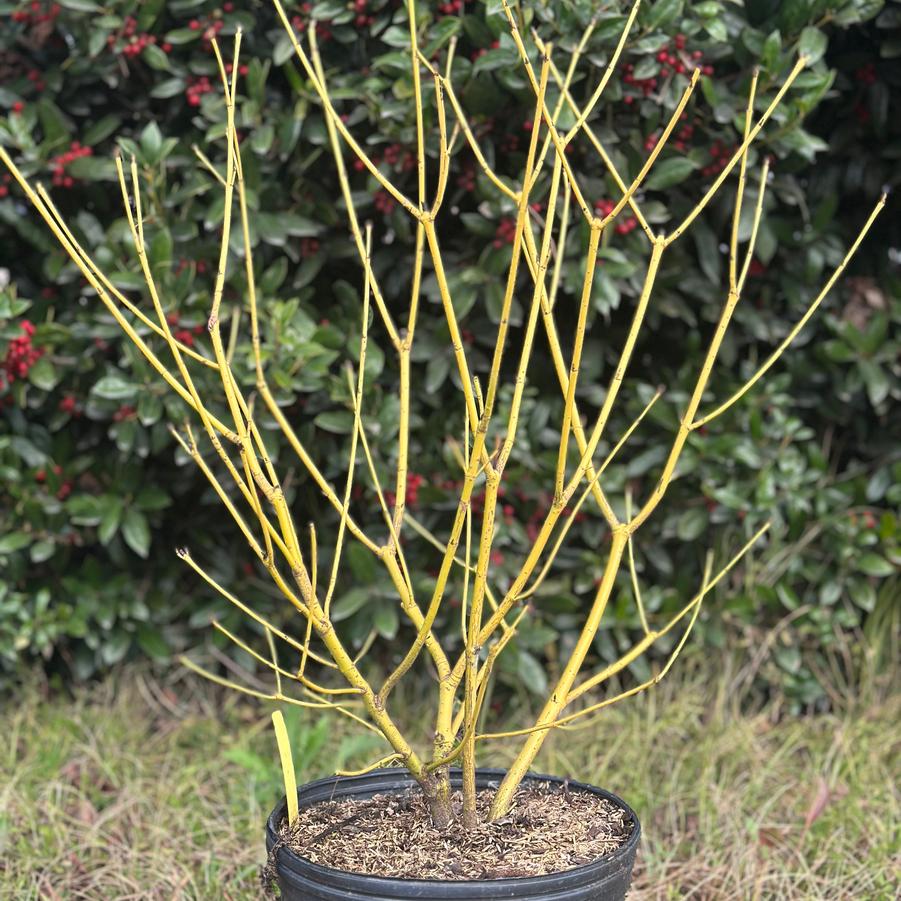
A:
(94, 494)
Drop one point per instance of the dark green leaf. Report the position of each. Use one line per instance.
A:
(152, 642)
(341, 422)
(136, 532)
(349, 603)
(670, 172)
(813, 44)
(109, 523)
(692, 524)
(41, 551)
(874, 565)
(170, 87)
(14, 541)
(43, 375)
(114, 387)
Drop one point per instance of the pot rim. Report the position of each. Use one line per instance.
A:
(391, 775)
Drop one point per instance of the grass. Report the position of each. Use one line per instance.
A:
(142, 788)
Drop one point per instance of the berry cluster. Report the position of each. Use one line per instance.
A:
(756, 268)
(867, 519)
(197, 88)
(34, 76)
(684, 134)
(626, 226)
(323, 31)
(362, 17)
(183, 264)
(65, 486)
(4, 185)
(414, 480)
(75, 151)
(21, 355)
(445, 484)
(309, 247)
(210, 26)
(682, 139)
(606, 207)
(505, 232)
(645, 85)
(129, 42)
(678, 61)
(510, 144)
(69, 405)
(384, 202)
(477, 501)
(126, 411)
(184, 335)
(866, 74)
(36, 13)
(467, 178)
(411, 497)
(674, 60)
(482, 50)
(394, 154)
(451, 8)
(720, 157)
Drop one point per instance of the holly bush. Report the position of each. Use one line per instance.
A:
(95, 493)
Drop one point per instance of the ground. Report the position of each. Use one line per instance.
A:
(154, 787)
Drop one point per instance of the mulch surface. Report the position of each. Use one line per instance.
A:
(549, 829)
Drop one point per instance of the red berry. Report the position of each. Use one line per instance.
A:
(18, 106)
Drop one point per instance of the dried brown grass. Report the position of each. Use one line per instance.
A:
(158, 789)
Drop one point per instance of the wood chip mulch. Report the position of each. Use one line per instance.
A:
(549, 829)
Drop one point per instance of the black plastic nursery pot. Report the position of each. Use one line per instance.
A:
(605, 879)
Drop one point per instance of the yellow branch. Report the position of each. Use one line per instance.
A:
(642, 646)
(811, 309)
(333, 116)
(739, 153)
